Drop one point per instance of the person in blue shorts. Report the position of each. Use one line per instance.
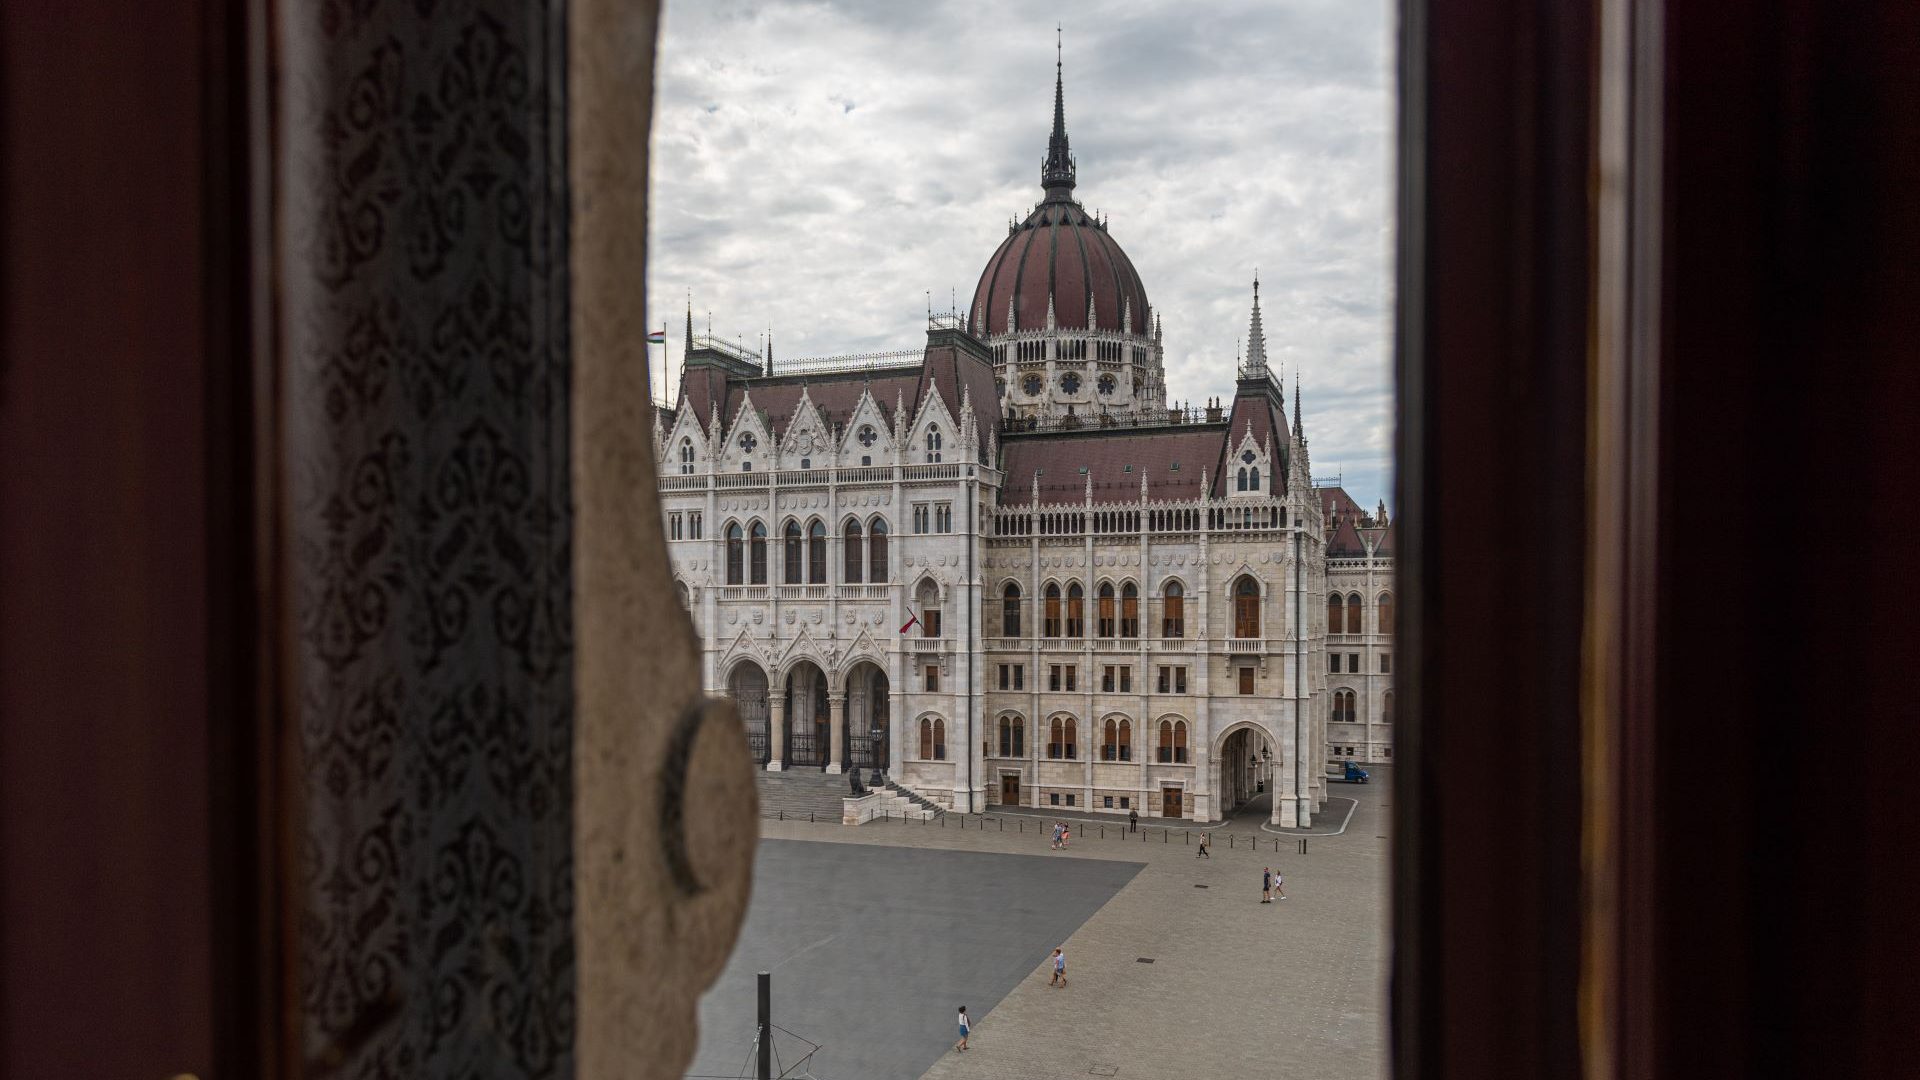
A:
(1059, 969)
(965, 1026)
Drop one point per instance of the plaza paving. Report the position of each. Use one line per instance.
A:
(939, 917)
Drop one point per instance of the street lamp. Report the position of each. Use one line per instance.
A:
(873, 736)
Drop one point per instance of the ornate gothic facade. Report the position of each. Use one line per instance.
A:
(1005, 570)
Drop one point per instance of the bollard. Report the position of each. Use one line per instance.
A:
(809, 817)
(783, 815)
(1229, 841)
(1103, 832)
(1003, 824)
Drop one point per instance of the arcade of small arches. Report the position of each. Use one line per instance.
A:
(1346, 614)
(804, 550)
(1344, 711)
(1117, 611)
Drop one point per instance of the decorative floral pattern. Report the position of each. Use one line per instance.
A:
(427, 432)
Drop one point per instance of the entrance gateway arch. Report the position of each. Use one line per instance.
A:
(1247, 766)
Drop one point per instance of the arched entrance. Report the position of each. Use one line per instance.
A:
(747, 685)
(807, 713)
(1247, 762)
(867, 719)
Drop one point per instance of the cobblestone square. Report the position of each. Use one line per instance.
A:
(1235, 988)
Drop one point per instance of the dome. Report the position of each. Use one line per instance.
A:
(1059, 252)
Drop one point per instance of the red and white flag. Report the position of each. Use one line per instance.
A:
(910, 622)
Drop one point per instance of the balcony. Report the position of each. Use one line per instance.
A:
(928, 645)
(863, 592)
(801, 592)
(743, 592)
(1246, 646)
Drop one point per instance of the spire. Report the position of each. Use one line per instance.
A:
(1056, 174)
(1299, 432)
(689, 351)
(1256, 336)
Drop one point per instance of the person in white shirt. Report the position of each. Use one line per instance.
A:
(965, 1026)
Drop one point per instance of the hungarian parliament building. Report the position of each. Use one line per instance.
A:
(1005, 570)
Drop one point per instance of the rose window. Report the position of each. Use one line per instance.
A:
(1032, 384)
(1107, 384)
(1070, 382)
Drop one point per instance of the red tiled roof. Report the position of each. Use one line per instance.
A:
(1334, 499)
(1384, 547)
(1266, 418)
(1346, 539)
(950, 369)
(1106, 454)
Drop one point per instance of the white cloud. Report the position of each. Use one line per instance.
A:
(820, 167)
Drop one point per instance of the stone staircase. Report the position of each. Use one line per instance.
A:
(914, 800)
(810, 795)
(797, 793)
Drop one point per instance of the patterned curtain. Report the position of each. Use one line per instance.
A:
(426, 373)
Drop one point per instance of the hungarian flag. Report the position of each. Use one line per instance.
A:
(910, 622)
(657, 337)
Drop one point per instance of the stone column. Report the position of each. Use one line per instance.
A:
(836, 723)
(776, 730)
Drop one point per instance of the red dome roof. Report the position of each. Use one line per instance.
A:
(1059, 251)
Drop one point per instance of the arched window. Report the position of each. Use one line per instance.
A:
(792, 533)
(1240, 484)
(1126, 740)
(852, 556)
(1383, 615)
(1246, 608)
(1344, 711)
(757, 553)
(1010, 611)
(926, 738)
(939, 740)
(1051, 625)
(1165, 748)
(736, 554)
(1117, 741)
(1013, 741)
(1076, 611)
(933, 443)
(816, 554)
(686, 455)
(1386, 707)
(1253, 478)
(1173, 742)
(1129, 610)
(927, 599)
(1106, 613)
(1336, 613)
(1173, 623)
(877, 572)
(1354, 614)
(1060, 738)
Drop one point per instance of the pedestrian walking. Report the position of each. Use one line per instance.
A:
(1202, 853)
(1133, 821)
(1266, 886)
(1278, 886)
(1066, 835)
(1059, 969)
(965, 1026)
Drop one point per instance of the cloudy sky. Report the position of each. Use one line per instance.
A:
(820, 167)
